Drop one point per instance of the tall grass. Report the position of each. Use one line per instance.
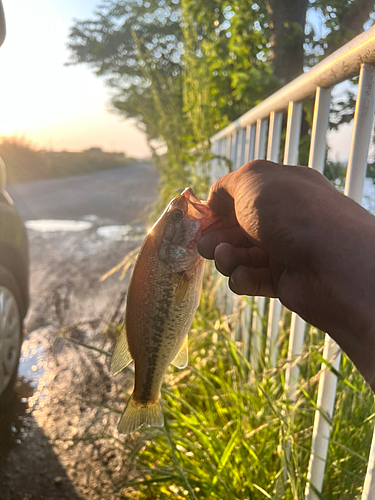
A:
(231, 434)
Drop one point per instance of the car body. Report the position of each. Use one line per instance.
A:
(14, 277)
(2, 24)
(14, 255)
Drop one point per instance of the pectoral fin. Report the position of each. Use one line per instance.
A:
(199, 295)
(121, 357)
(181, 358)
(182, 287)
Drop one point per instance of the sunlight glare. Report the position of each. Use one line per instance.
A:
(53, 105)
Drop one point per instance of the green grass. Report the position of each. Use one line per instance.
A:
(229, 429)
(230, 433)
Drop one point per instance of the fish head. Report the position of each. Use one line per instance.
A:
(179, 229)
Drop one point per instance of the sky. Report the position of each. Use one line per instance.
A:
(67, 107)
(52, 105)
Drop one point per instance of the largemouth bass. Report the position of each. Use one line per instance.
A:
(163, 295)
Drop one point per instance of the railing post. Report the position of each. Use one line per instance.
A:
(274, 136)
(233, 149)
(318, 144)
(231, 299)
(246, 310)
(362, 128)
(293, 132)
(222, 289)
(323, 416)
(218, 167)
(297, 330)
(250, 143)
(215, 146)
(365, 107)
(328, 380)
(241, 148)
(368, 492)
(260, 139)
(275, 306)
(222, 149)
(297, 334)
(238, 305)
(228, 141)
(259, 302)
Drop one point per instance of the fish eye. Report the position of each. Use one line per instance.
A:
(176, 215)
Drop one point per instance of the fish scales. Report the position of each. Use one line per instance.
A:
(163, 295)
(161, 323)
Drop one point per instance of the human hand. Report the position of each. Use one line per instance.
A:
(286, 232)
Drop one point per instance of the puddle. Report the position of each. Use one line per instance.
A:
(51, 225)
(33, 369)
(121, 233)
(29, 396)
(14, 422)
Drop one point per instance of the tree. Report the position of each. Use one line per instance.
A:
(336, 22)
(137, 47)
(186, 68)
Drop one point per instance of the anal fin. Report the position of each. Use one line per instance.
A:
(135, 415)
(182, 357)
(121, 357)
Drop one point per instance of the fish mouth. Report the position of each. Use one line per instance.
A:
(198, 210)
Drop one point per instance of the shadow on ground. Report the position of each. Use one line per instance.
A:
(18, 434)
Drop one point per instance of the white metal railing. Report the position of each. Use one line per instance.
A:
(245, 140)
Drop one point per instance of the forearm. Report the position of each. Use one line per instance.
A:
(347, 296)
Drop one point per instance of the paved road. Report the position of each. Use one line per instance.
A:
(66, 265)
(119, 195)
(42, 455)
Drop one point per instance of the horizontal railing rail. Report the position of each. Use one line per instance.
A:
(339, 66)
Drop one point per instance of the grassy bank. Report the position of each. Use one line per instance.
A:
(230, 432)
(229, 429)
(25, 163)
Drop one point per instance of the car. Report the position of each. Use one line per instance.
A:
(14, 278)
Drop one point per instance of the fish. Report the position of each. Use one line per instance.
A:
(163, 295)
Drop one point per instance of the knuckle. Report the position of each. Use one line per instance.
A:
(256, 165)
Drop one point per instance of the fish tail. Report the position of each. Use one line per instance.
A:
(137, 414)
